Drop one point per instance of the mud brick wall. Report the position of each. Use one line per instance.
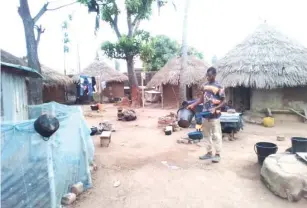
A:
(114, 89)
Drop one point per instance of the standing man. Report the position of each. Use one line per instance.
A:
(213, 99)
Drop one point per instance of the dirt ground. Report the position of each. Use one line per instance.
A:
(138, 148)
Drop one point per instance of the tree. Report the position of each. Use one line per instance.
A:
(160, 49)
(32, 41)
(193, 51)
(127, 45)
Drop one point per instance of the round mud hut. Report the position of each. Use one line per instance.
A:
(108, 76)
(55, 85)
(167, 79)
(266, 70)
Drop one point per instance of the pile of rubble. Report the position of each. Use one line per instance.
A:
(168, 120)
(126, 114)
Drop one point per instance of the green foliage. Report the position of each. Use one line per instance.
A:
(66, 40)
(160, 49)
(135, 42)
(195, 52)
(126, 46)
(64, 25)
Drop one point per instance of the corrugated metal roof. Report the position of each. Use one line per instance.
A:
(29, 72)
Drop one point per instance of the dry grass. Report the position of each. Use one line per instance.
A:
(103, 70)
(170, 73)
(266, 59)
(50, 76)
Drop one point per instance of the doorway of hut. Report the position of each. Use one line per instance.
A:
(189, 92)
(240, 97)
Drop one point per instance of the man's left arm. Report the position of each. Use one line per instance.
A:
(222, 98)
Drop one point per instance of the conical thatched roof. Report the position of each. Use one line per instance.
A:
(266, 59)
(104, 71)
(50, 76)
(170, 73)
(53, 78)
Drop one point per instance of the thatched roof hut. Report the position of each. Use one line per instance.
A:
(54, 78)
(266, 59)
(170, 73)
(104, 71)
(50, 76)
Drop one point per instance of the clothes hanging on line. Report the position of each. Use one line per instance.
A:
(94, 84)
(86, 87)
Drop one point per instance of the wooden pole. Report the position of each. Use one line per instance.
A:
(143, 96)
(184, 53)
(50, 166)
(162, 100)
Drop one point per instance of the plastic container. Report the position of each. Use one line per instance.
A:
(264, 149)
(299, 144)
(268, 122)
(94, 107)
(185, 117)
(205, 114)
(195, 135)
(94, 130)
(168, 132)
(100, 107)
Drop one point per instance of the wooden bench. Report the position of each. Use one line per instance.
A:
(105, 138)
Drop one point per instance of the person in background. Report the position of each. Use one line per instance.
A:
(227, 106)
(241, 107)
(213, 99)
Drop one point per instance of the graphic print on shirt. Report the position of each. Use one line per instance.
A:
(214, 93)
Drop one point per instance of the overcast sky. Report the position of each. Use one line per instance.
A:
(215, 26)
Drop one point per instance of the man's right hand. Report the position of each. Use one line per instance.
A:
(191, 107)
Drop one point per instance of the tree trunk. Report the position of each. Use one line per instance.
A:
(35, 86)
(182, 86)
(133, 83)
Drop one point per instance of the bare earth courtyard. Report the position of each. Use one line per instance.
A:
(138, 148)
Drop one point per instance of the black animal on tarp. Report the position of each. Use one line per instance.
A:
(46, 125)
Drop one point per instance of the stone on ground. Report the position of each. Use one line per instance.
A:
(285, 176)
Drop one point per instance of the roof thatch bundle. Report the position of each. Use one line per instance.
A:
(170, 73)
(50, 76)
(266, 59)
(11, 59)
(54, 78)
(104, 71)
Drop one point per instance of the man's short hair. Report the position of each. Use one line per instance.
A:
(211, 70)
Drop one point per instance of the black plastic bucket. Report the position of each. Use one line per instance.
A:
(185, 117)
(299, 144)
(264, 149)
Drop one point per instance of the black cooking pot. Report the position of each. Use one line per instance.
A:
(185, 117)
(46, 125)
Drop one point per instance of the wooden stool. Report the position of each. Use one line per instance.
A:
(105, 138)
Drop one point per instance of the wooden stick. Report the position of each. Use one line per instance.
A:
(298, 113)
